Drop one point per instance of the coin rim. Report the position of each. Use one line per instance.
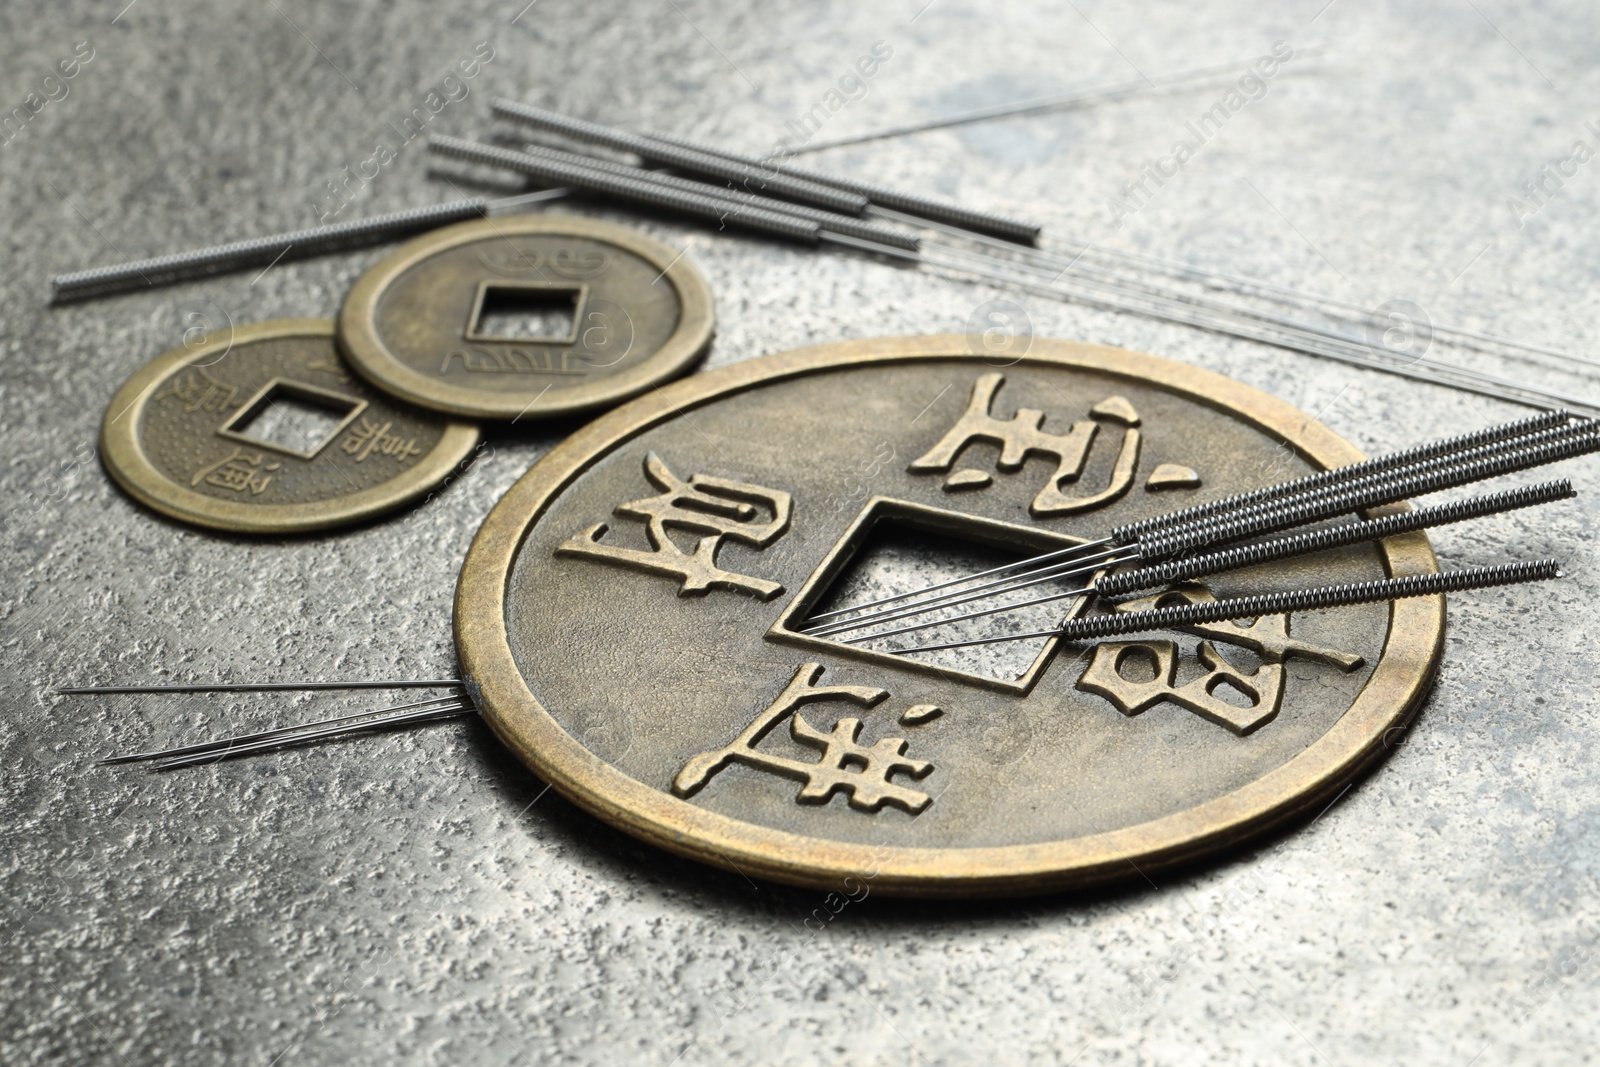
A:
(124, 457)
(1361, 735)
(366, 351)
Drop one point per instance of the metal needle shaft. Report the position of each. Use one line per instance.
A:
(828, 220)
(634, 189)
(1069, 552)
(1086, 590)
(283, 731)
(1056, 572)
(263, 251)
(693, 161)
(1248, 607)
(407, 718)
(259, 687)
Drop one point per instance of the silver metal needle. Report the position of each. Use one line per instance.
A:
(264, 251)
(1295, 337)
(1046, 574)
(1087, 590)
(1055, 554)
(1416, 471)
(259, 687)
(409, 718)
(261, 735)
(1245, 607)
(254, 741)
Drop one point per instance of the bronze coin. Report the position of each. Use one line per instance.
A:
(653, 574)
(266, 430)
(526, 317)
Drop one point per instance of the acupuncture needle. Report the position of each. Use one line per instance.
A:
(982, 592)
(263, 251)
(1504, 434)
(829, 219)
(1068, 552)
(1061, 569)
(100, 281)
(410, 718)
(1114, 91)
(1285, 547)
(450, 706)
(1119, 284)
(1504, 431)
(973, 221)
(1208, 276)
(801, 189)
(1360, 494)
(1249, 607)
(260, 687)
(1354, 495)
(1068, 594)
(1475, 339)
(1164, 306)
(280, 732)
(640, 186)
(1353, 351)
(937, 215)
(631, 142)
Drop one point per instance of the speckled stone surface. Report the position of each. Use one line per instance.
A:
(420, 898)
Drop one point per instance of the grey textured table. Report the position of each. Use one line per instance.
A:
(420, 898)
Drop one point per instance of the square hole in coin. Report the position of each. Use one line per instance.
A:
(293, 418)
(896, 547)
(529, 312)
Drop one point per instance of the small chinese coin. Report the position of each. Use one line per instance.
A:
(264, 429)
(633, 619)
(523, 318)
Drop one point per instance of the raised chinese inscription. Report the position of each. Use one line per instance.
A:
(526, 317)
(239, 470)
(1108, 673)
(861, 772)
(263, 430)
(717, 509)
(1023, 435)
(368, 437)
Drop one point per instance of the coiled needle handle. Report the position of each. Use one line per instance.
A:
(1338, 475)
(628, 189)
(1401, 485)
(1250, 607)
(1324, 596)
(1349, 533)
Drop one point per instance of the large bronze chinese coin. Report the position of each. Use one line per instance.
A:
(630, 615)
(264, 429)
(526, 317)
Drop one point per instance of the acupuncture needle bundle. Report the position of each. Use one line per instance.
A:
(772, 196)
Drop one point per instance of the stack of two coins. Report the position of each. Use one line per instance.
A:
(295, 425)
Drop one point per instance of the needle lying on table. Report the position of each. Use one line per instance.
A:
(261, 740)
(263, 251)
(259, 687)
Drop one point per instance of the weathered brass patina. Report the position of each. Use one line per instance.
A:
(624, 313)
(626, 619)
(183, 435)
